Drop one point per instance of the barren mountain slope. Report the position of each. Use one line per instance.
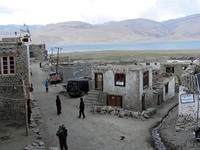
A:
(133, 30)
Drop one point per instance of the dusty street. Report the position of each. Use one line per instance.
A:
(96, 131)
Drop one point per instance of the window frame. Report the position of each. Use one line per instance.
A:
(145, 79)
(118, 78)
(7, 65)
(170, 69)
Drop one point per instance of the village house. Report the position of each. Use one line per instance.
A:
(38, 51)
(173, 67)
(14, 78)
(164, 87)
(154, 65)
(75, 70)
(188, 98)
(126, 86)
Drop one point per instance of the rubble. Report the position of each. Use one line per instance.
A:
(185, 123)
(117, 111)
(38, 144)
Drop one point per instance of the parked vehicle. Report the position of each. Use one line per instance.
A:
(77, 87)
(53, 77)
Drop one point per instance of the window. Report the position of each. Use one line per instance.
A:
(119, 79)
(7, 65)
(166, 88)
(170, 69)
(145, 79)
(148, 64)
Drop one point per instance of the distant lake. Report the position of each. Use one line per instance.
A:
(193, 45)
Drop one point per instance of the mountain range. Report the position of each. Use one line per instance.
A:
(126, 31)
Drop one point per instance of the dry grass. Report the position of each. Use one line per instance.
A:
(131, 54)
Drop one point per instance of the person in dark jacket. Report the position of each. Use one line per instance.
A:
(58, 104)
(81, 108)
(62, 136)
(29, 110)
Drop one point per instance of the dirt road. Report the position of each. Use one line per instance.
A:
(95, 132)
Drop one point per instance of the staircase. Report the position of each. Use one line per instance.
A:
(91, 98)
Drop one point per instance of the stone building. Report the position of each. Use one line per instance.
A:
(38, 51)
(74, 70)
(164, 87)
(155, 65)
(126, 86)
(13, 73)
(189, 86)
(175, 68)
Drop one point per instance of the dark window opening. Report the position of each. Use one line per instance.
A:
(170, 69)
(145, 79)
(166, 88)
(119, 79)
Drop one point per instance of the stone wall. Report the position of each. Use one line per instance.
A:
(12, 102)
(79, 70)
(133, 90)
(178, 67)
(38, 51)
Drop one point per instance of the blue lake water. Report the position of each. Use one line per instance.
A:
(193, 45)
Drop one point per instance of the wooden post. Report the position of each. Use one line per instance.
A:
(25, 105)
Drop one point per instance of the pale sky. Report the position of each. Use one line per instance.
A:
(43, 12)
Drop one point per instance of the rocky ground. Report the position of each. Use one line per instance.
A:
(97, 131)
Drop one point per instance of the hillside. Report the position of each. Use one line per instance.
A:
(133, 30)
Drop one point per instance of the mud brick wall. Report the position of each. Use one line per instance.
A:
(74, 71)
(12, 109)
(12, 102)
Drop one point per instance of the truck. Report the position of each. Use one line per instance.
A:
(54, 77)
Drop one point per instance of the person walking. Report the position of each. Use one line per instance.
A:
(58, 104)
(29, 110)
(81, 108)
(62, 136)
(47, 86)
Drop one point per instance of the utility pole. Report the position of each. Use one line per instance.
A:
(51, 54)
(57, 58)
(57, 63)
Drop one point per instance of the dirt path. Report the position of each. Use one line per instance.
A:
(95, 132)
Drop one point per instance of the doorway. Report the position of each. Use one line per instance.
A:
(115, 100)
(143, 102)
(98, 81)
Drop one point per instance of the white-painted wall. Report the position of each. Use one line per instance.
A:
(154, 65)
(133, 90)
(171, 88)
(188, 109)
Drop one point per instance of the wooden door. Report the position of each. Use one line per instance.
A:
(115, 100)
(98, 81)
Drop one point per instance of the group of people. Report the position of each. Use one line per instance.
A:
(62, 136)
(62, 131)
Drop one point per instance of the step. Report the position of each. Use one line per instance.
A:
(93, 92)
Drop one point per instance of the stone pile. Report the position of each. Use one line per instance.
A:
(123, 113)
(38, 144)
(185, 123)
